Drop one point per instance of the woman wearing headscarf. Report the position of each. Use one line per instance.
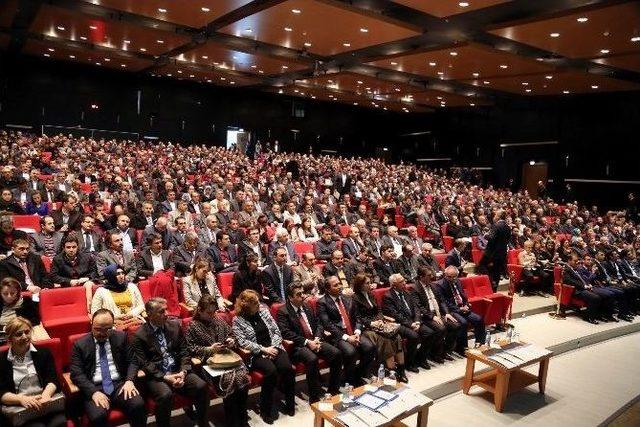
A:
(121, 298)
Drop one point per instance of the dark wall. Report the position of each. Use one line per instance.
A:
(598, 132)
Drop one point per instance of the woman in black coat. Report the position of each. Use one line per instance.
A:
(247, 277)
(13, 304)
(31, 392)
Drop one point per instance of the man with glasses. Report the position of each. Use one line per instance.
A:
(298, 324)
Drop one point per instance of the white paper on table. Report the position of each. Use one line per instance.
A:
(325, 406)
(370, 401)
(393, 409)
(213, 373)
(369, 387)
(351, 420)
(384, 395)
(413, 399)
(368, 416)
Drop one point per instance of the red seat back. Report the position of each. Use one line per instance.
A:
(474, 242)
(421, 230)
(47, 263)
(62, 303)
(399, 221)
(447, 242)
(467, 285)
(441, 258)
(557, 274)
(476, 255)
(482, 285)
(28, 223)
(274, 308)
(225, 283)
(313, 303)
(512, 256)
(302, 247)
(144, 286)
(344, 230)
(379, 294)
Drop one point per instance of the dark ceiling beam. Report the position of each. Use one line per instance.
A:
(24, 17)
(240, 13)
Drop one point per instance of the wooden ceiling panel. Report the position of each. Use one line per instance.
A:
(185, 12)
(217, 77)
(65, 24)
(436, 98)
(318, 27)
(587, 34)
(360, 84)
(8, 12)
(214, 55)
(626, 62)
(50, 50)
(565, 82)
(442, 8)
(463, 62)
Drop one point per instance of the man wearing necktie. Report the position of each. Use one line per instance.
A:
(298, 324)
(400, 305)
(277, 276)
(102, 368)
(583, 290)
(337, 316)
(160, 350)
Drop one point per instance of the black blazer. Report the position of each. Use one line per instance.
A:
(330, 318)
(365, 312)
(83, 361)
(147, 354)
(98, 243)
(62, 270)
(242, 280)
(392, 306)
(9, 267)
(573, 278)
(43, 362)
(383, 271)
(213, 252)
(244, 249)
(421, 300)
(29, 310)
(145, 263)
(289, 324)
(497, 242)
(448, 301)
(330, 270)
(271, 281)
(454, 259)
(75, 219)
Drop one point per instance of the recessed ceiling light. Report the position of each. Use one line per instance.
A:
(280, 91)
(355, 103)
(254, 66)
(565, 92)
(438, 97)
(123, 65)
(594, 86)
(486, 82)
(60, 28)
(346, 44)
(162, 10)
(476, 74)
(248, 30)
(209, 81)
(548, 77)
(463, 4)
(223, 78)
(288, 29)
(472, 105)
(396, 89)
(582, 19)
(261, 71)
(72, 56)
(440, 73)
(143, 49)
(504, 66)
(160, 41)
(204, 57)
(191, 75)
(432, 64)
(51, 49)
(364, 30)
(93, 27)
(525, 83)
(527, 90)
(284, 67)
(97, 63)
(296, 11)
(554, 35)
(83, 38)
(205, 9)
(635, 39)
(539, 59)
(604, 51)
(107, 60)
(453, 53)
(127, 41)
(47, 55)
(394, 63)
(179, 71)
(307, 44)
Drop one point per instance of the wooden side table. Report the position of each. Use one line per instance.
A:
(502, 381)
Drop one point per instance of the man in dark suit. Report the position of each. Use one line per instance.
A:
(343, 271)
(160, 350)
(177, 236)
(146, 217)
(408, 263)
(353, 244)
(429, 300)
(252, 245)
(583, 290)
(386, 265)
(455, 303)
(160, 227)
(171, 204)
(454, 257)
(72, 267)
(25, 266)
(298, 324)
(400, 305)
(68, 217)
(337, 316)
(494, 258)
(223, 255)
(426, 259)
(184, 255)
(342, 183)
(277, 277)
(154, 258)
(88, 240)
(282, 241)
(47, 241)
(50, 194)
(325, 247)
(374, 241)
(106, 382)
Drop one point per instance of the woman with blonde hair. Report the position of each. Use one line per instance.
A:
(201, 281)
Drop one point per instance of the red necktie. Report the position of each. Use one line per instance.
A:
(305, 328)
(345, 318)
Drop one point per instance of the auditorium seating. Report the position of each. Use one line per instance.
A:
(225, 283)
(302, 247)
(447, 243)
(27, 223)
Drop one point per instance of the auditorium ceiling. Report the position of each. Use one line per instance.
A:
(402, 55)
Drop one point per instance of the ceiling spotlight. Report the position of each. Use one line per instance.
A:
(504, 66)
(123, 65)
(47, 55)
(296, 11)
(107, 60)
(307, 44)
(143, 49)
(97, 63)
(346, 44)
(179, 71)
(604, 51)
(355, 103)
(162, 10)
(223, 78)
(635, 39)
(566, 92)
(463, 4)
(72, 56)
(51, 49)
(476, 74)
(525, 83)
(594, 86)
(486, 82)
(60, 28)
(527, 90)
(582, 19)
(127, 41)
(472, 105)
(191, 75)
(554, 35)
(394, 63)
(432, 64)
(205, 9)
(284, 67)
(396, 89)
(288, 29)
(83, 38)
(548, 77)
(232, 83)
(359, 82)
(160, 41)
(254, 66)
(261, 71)
(93, 27)
(280, 91)
(205, 57)
(453, 53)
(364, 30)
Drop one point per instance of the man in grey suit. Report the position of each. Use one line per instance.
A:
(116, 255)
(207, 234)
(48, 241)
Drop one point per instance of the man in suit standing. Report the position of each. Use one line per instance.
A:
(400, 305)
(298, 324)
(154, 258)
(160, 350)
(342, 183)
(115, 254)
(494, 258)
(48, 241)
(25, 266)
(88, 240)
(456, 304)
(337, 316)
(277, 277)
(103, 369)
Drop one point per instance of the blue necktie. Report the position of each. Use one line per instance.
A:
(167, 359)
(281, 277)
(107, 383)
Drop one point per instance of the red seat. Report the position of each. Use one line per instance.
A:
(47, 262)
(569, 300)
(399, 221)
(85, 187)
(440, 258)
(500, 303)
(302, 248)
(379, 213)
(274, 308)
(512, 256)
(144, 286)
(379, 294)
(474, 242)
(27, 223)
(344, 230)
(64, 312)
(476, 255)
(421, 230)
(447, 243)
(225, 283)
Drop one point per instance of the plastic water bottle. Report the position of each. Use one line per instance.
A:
(381, 374)
(487, 340)
(391, 379)
(510, 332)
(346, 394)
